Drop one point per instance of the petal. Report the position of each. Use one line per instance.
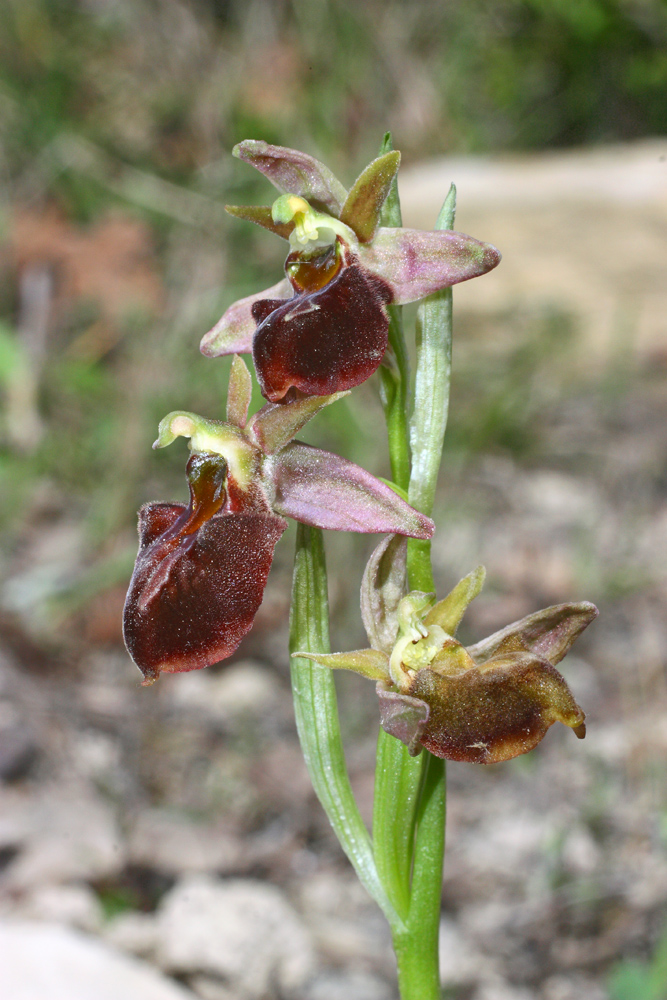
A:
(239, 393)
(403, 716)
(192, 598)
(449, 612)
(415, 263)
(326, 341)
(326, 491)
(548, 633)
(261, 216)
(233, 333)
(383, 586)
(496, 712)
(275, 424)
(293, 172)
(362, 208)
(367, 662)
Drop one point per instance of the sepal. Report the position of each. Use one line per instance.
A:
(326, 491)
(293, 172)
(548, 634)
(383, 585)
(233, 332)
(415, 264)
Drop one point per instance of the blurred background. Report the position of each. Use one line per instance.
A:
(176, 823)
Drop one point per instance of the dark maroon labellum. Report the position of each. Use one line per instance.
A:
(328, 338)
(199, 576)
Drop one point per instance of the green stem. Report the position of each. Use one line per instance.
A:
(395, 371)
(394, 382)
(398, 780)
(409, 818)
(398, 776)
(316, 713)
(417, 949)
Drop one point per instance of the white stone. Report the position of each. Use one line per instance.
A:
(134, 932)
(503, 991)
(211, 989)
(172, 843)
(76, 905)
(68, 836)
(41, 961)
(613, 198)
(572, 987)
(461, 964)
(581, 855)
(349, 986)
(241, 931)
(245, 688)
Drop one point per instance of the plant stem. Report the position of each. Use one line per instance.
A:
(395, 371)
(316, 713)
(409, 832)
(394, 381)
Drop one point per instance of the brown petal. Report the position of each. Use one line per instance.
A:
(403, 716)
(495, 712)
(323, 342)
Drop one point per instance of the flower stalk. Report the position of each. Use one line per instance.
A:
(410, 841)
(403, 867)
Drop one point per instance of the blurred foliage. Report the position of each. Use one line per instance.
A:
(173, 85)
(635, 980)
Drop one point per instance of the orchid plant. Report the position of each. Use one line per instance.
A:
(201, 570)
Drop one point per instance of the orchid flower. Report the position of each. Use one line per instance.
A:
(324, 327)
(483, 703)
(201, 570)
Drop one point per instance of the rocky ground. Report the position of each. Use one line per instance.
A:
(164, 843)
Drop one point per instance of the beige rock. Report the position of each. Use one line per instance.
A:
(582, 230)
(243, 932)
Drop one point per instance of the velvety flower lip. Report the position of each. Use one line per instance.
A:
(483, 704)
(319, 336)
(199, 576)
(327, 340)
(201, 569)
